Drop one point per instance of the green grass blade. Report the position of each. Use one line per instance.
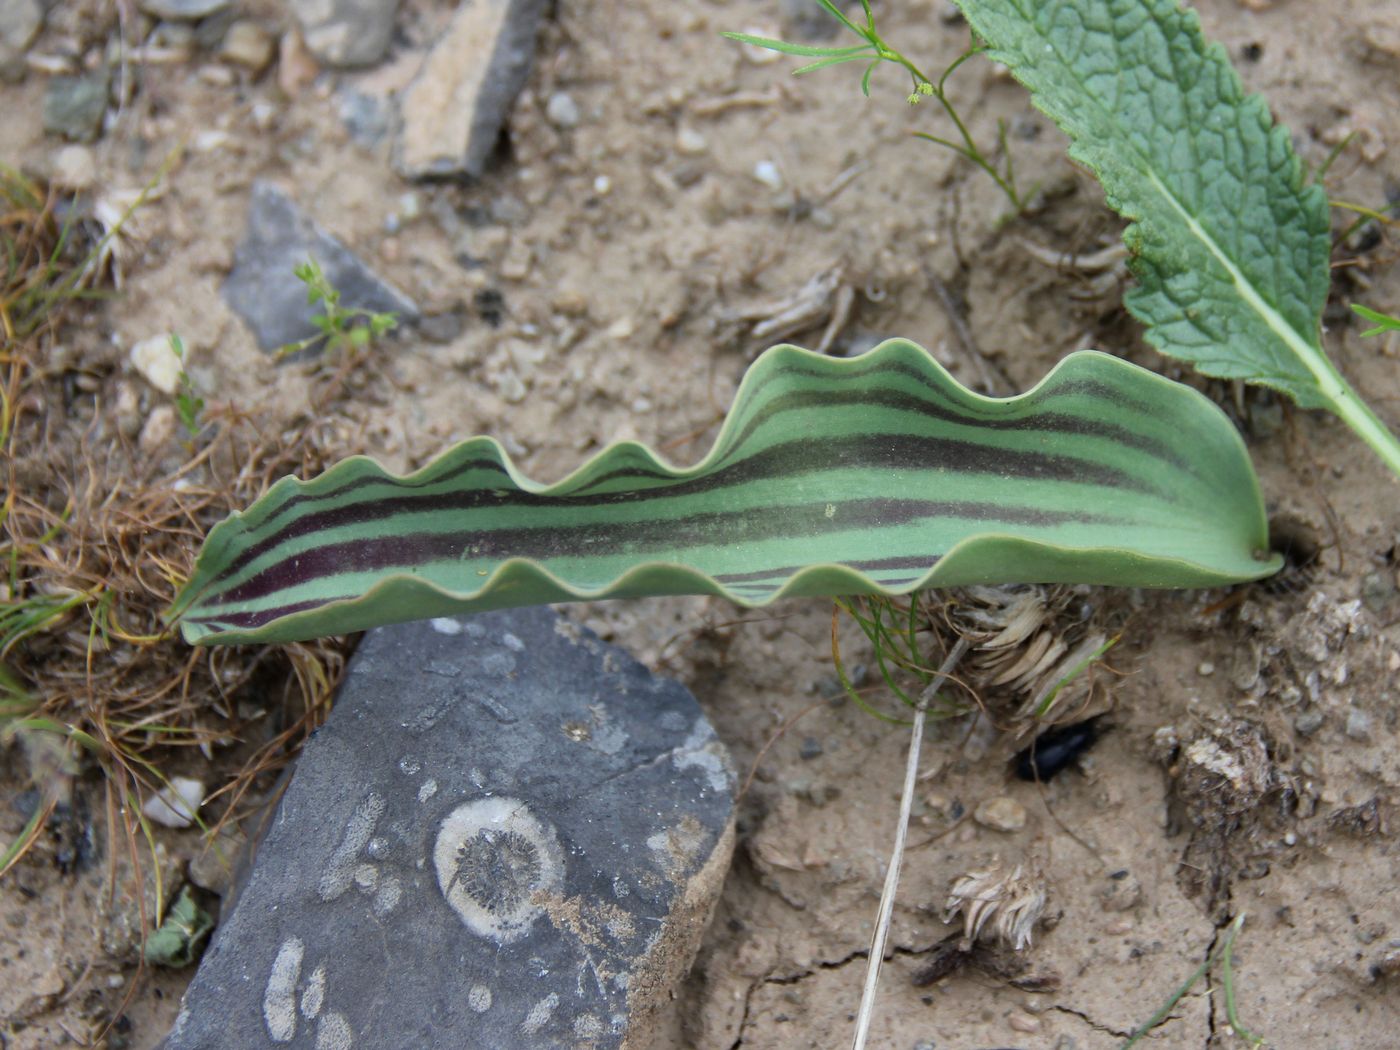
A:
(801, 50)
(1229, 244)
(876, 474)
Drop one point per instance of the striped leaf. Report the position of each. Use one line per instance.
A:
(875, 474)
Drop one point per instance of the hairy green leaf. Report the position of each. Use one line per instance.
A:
(875, 474)
(1229, 245)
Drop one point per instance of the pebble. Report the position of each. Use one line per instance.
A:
(1308, 722)
(156, 361)
(20, 21)
(760, 56)
(1358, 725)
(295, 65)
(562, 110)
(158, 429)
(766, 172)
(689, 141)
(1023, 1022)
(74, 167)
(249, 45)
(175, 805)
(1000, 814)
(74, 106)
(346, 34)
(811, 748)
(213, 866)
(1205, 669)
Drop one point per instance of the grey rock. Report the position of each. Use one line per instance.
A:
(806, 22)
(366, 117)
(74, 106)
(507, 835)
(453, 112)
(20, 22)
(347, 34)
(1358, 726)
(280, 237)
(1308, 722)
(182, 10)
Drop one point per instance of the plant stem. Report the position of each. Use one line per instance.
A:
(1358, 415)
(906, 803)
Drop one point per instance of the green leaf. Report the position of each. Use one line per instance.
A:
(177, 941)
(1229, 244)
(873, 474)
(801, 50)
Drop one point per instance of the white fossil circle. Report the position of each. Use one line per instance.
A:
(494, 859)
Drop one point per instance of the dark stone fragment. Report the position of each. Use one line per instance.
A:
(263, 290)
(507, 834)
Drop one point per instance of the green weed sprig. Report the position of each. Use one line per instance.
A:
(876, 50)
(337, 326)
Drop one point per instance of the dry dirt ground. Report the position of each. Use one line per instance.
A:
(624, 250)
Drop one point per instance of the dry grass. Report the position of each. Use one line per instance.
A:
(96, 536)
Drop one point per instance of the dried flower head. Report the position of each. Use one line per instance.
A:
(1036, 641)
(1012, 903)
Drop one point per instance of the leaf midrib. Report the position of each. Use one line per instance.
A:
(1310, 355)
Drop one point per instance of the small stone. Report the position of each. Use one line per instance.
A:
(249, 45)
(279, 238)
(1358, 726)
(811, 748)
(806, 22)
(158, 429)
(346, 34)
(1308, 722)
(453, 111)
(690, 141)
(213, 867)
(562, 110)
(367, 118)
(766, 172)
(155, 359)
(1023, 1022)
(20, 22)
(74, 167)
(517, 262)
(1000, 814)
(1205, 669)
(74, 106)
(551, 891)
(296, 67)
(175, 805)
(182, 10)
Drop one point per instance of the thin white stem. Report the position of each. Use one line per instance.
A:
(887, 895)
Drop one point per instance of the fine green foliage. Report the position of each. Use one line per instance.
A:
(877, 50)
(875, 474)
(337, 326)
(1382, 322)
(188, 404)
(1229, 244)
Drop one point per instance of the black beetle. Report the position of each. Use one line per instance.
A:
(1052, 751)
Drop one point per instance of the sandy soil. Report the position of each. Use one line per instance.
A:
(624, 250)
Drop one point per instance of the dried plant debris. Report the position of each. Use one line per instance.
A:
(1037, 643)
(1232, 787)
(1004, 905)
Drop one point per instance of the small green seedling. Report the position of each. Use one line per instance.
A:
(338, 327)
(178, 940)
(188, 404)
